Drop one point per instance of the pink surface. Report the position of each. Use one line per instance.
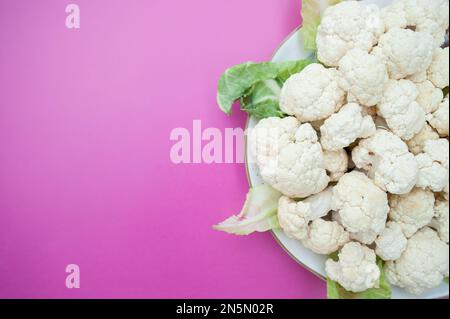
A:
(85, 174)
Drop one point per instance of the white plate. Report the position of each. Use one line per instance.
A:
(292, 49)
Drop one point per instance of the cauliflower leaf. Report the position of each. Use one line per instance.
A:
(335, 291)
(259, 213)
(312, 11)
(256, 86)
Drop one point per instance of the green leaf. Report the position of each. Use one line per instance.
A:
(253, 85)
(336, 291)
(259, 213)
(312, 11)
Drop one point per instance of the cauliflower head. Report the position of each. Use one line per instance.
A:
(325, 237)
(391, 243)
(423, 265)
(361, 205)
(345, 26)
(289, 156)
(433, 166)
(440, 220)
(412, 211)
(430, 97)
(343, 128)
(356, 269)
(399, 108)
(336, 163)
(417, 143)
(388, 161)
(439, 119)
(363, 76)
(438, 72)
(312, 94)
(405, 52)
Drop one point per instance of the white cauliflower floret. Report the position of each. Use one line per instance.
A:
(343, 128)
(366, 238)
(325, 237)
(429, 16)
(363, 76)
(361, 205)
(423, 265)
(387, 160)
(438, 72)
(440, 220)
(336, 163)
(405, 52)
(399, 108)
(356, 269)
(430, 97)
(312, 94)
(440, 118)
(345, 26)
(417, 143)
(412, 211)
(294, 217)
(289, 156)
(391, 243)
(433, 166)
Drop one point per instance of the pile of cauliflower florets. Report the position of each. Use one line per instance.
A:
(367, 139)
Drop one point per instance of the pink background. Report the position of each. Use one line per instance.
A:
(85, 174)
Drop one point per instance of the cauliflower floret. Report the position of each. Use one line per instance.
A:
(405, 52)
(343, 128)
(289, 156)
(391, 243)
(438, 72)
(423, 265)
(389, 163)
(294, 217)
(366, 238)
(336, 163)
(363, 76)
(361, 205)
(433, 166)
(412, 211)
(312, 94)
(345, 26)
(440, 118)
(440, 220)
(399, 108)
(325, 237)
(429, 16)
(356, 269)
(430, 97)
(417, 143)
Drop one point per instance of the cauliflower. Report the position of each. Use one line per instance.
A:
(423, 265)
(389, 163)
(439, 119)
(399, 108)
(405, 52)
(343, 128)
(294, 217)
(289, 156)
(433, 166)
(312, 94)
(336, 163)
(361, 205)
(391, 243)
(356, 269)
(417, 143)
(438, 72)
(412, 211)
(423, 15)
(430, 97)
(345, 26)
(366, 238)
(325, 237)
(363, 76)
(440, 220)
